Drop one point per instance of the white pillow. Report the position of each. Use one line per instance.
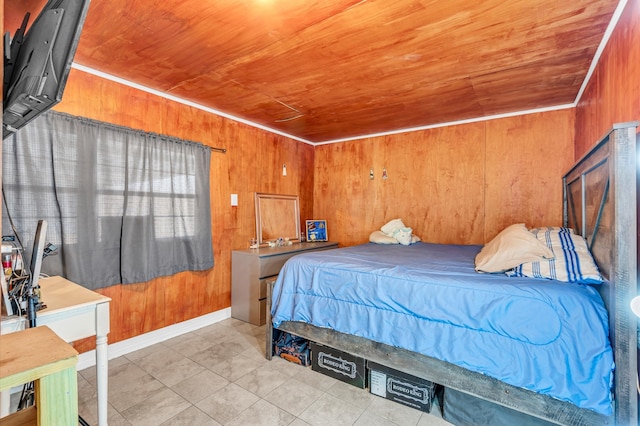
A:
(380, 237)
(513, 246)
(392, 226)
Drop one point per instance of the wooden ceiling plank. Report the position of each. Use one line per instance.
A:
(346, 67)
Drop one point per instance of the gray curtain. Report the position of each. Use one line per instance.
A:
(123, 206)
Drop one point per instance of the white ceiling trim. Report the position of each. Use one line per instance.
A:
(182, 101)
(451, 123)
(603, 43)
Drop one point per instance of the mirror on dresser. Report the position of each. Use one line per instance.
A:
(277, 216)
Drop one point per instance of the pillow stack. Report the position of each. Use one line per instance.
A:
(553, 253)
(572, 260)
(394, 232)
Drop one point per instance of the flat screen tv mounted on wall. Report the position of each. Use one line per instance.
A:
(37, 62)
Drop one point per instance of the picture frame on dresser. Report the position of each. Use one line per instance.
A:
(316, 230)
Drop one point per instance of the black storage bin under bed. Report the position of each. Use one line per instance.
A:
(462, 409)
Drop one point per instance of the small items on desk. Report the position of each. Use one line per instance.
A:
(22, 281)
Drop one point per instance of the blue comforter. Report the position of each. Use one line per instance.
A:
(542, 335)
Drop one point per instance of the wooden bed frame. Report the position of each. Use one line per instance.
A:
(600, 203)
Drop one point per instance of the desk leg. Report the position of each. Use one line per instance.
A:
(102, 361)
(102, 376)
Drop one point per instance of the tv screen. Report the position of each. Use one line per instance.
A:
(38, 60)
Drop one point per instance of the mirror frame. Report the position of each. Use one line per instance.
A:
(263, 210)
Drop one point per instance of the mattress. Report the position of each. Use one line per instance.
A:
(546, 336)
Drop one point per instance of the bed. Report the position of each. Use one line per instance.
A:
(557, 365)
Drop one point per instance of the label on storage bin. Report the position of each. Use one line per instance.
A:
(408, 390)
(382, 385)
(337, 364)
(378, 383)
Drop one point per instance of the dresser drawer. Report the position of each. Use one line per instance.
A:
(263, 286)
(270, 266)
(252, 269)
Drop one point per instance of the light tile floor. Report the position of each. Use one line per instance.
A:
(218, 375)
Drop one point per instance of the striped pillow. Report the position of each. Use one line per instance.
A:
(572, 263)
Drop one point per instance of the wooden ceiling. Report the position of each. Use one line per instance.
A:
(334, 69)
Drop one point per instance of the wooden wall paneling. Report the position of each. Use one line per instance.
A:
(612, 93)
(13, 16)
(299, 160)
(253, 162)
(224, 222)
(434, 185)
(587, 132)
(526, 158)
(620, 70)
(306, 176)
(447, 180)
(458, 184)
(435, 182)
(257, 167)
(137, 300)
(242, 175)
(344, 195)
(179, 289)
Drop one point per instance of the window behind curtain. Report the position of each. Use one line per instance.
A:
(123, 206)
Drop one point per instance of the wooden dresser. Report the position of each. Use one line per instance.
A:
(250, 270)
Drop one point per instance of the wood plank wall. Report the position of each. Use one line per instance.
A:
(253, 163)
(453, 185)
(613, 93)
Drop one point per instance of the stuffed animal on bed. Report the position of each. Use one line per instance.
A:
(403, 235)
(394, 232)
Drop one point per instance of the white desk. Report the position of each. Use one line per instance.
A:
(73, 313)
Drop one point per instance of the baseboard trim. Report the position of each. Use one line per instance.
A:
(88, 359)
